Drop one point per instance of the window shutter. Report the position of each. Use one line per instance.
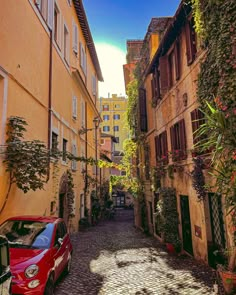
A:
(194, 125)
(191, 48)
(153, 87)
(74, 153)
(75, 37)
(172, 138)
(94, 88)
(81, 54)
(157, 80)
(177, 60)
(164, 74)
(85, 64)
(157, 148)
(50, 13)
(165, 147)
(183, 144)
(74, 107)
(83, 114)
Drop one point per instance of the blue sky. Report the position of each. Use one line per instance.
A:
(112, 23)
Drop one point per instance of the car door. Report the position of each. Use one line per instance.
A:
(59, 250)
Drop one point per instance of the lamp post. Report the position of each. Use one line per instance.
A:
(96, 122)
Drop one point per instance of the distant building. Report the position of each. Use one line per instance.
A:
(112, 112)
(133, 55)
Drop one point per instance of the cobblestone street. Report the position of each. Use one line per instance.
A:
(115, 258)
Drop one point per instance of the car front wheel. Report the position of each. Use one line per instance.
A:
(49, 286)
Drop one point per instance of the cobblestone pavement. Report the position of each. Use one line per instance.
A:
(114, 258)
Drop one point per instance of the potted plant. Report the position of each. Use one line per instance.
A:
(167, 215)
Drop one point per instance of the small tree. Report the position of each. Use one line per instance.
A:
(26, 161)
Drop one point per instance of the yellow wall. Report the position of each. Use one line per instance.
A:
(24, 64)
(121, 123)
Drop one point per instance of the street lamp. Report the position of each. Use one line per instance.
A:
(96, 122)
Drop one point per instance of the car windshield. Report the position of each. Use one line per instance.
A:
(27, 234)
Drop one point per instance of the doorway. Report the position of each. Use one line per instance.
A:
(186, 224)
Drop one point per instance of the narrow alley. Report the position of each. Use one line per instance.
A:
(115, 258)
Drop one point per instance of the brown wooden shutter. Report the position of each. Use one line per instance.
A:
(172, 138)
(165, 150)
(158, 92)
(188, 42)
(177, 59)
(164, 81)
(183, 143)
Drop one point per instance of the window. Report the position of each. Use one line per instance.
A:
(117, 106)
(66, 44)
(117, 139)
(83, 164)
(143, 110)
(69, 2)
(74, 153)
(56, 24)
(116, 117)
(82, 113)
(178, 141)
(106, 117)
(169, 70)
(161, 147)
(106, 128)
(64, 149)
(54, 142)
(83, 59)
(123, 173)
(191, 46)
(43, 7)
(75, 37)
(105, 107)
(116, 128)
(197, 118)
(102, 141)
(74, 107)
(94, 85)
(155, 85)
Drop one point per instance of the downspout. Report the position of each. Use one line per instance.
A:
(50, 100)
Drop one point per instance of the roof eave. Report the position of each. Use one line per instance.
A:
(88, 36)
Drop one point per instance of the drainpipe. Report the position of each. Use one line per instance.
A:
(50, 99)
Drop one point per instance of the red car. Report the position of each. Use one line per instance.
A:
(40, 250)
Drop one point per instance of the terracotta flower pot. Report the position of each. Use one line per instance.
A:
(229, 281)
(170, 248)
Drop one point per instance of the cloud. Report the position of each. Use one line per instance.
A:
(111, 61)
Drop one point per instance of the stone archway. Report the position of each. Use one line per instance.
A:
(63, 202)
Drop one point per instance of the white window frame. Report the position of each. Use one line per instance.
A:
(83, 59)
(82, 110)
(66, 44)
(82, 154)
(59, 21)
(74, 107)
(74, 153)
(94, 85)
(75, 37)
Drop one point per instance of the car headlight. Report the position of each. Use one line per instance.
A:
(31, 271)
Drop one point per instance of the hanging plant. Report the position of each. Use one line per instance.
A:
(198, 180)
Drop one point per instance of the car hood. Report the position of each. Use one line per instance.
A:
(24, 257)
